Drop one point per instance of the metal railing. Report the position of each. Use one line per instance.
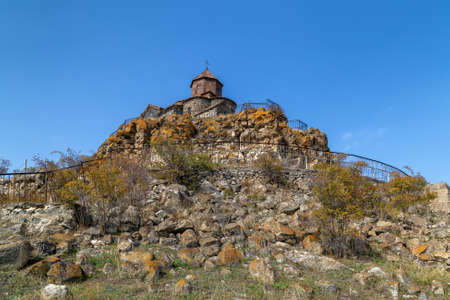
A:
(297, 124)
(267, 105)
(39, 186)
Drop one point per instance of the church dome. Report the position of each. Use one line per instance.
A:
(206, 75)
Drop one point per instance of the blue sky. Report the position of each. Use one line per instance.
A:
(373, 75)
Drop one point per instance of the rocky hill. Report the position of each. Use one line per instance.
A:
(239, 235)
(250, 131)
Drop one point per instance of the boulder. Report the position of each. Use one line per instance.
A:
(125, 245)
(168, 241)
(43, 247)
(165, 227)
(55, 292)
(130, 219)
(437, 288)
(288, 207)
(191, 256)
(92, 232)
(209, 241)
(64, 242)
(140, 264)
(229, 256)
(261, 271)
(183, 225)
(209, 265)
(233, 229)
(385, 226)
(210, 250)
(41, 267)
(183, 287)
(207, 187)
(189, 239)
(281, 231)
(16, 253)
(61, 272)
(417, 251)
(37, 220)
(312, 244)
(377, 272)
(316, 262)
(174, 195)
(86, 254)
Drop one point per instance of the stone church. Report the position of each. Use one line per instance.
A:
(206, 100)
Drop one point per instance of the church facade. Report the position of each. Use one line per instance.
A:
(206, 100)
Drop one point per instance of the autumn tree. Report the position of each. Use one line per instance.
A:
(345, 195)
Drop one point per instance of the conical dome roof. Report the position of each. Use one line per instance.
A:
(206, 74)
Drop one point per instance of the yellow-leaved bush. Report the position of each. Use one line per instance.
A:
(102, 185)
(402, 192)
(346, 196)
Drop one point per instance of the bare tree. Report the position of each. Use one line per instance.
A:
(4, 165)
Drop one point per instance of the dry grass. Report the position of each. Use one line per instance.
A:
(220, 283)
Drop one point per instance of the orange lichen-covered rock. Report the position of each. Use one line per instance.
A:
(229, 256)
(261, 271)
(138, 257)
(141, 124)
(183, 287)
(191, 256)
(153, 270)
(41, 267)
(64, 242)
(257, 126)
(64, 272)
(141, 264)
(280, 230)
(420, 249)
(425, 257)
(258, 240)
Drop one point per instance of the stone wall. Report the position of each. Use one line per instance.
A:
(195, 105)
(442, 201)
(300, 179)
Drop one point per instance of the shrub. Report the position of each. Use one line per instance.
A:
(179, 164)
(345, 195)
(402, 192)
(57, 179)
(116, 181)
(100, 186)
